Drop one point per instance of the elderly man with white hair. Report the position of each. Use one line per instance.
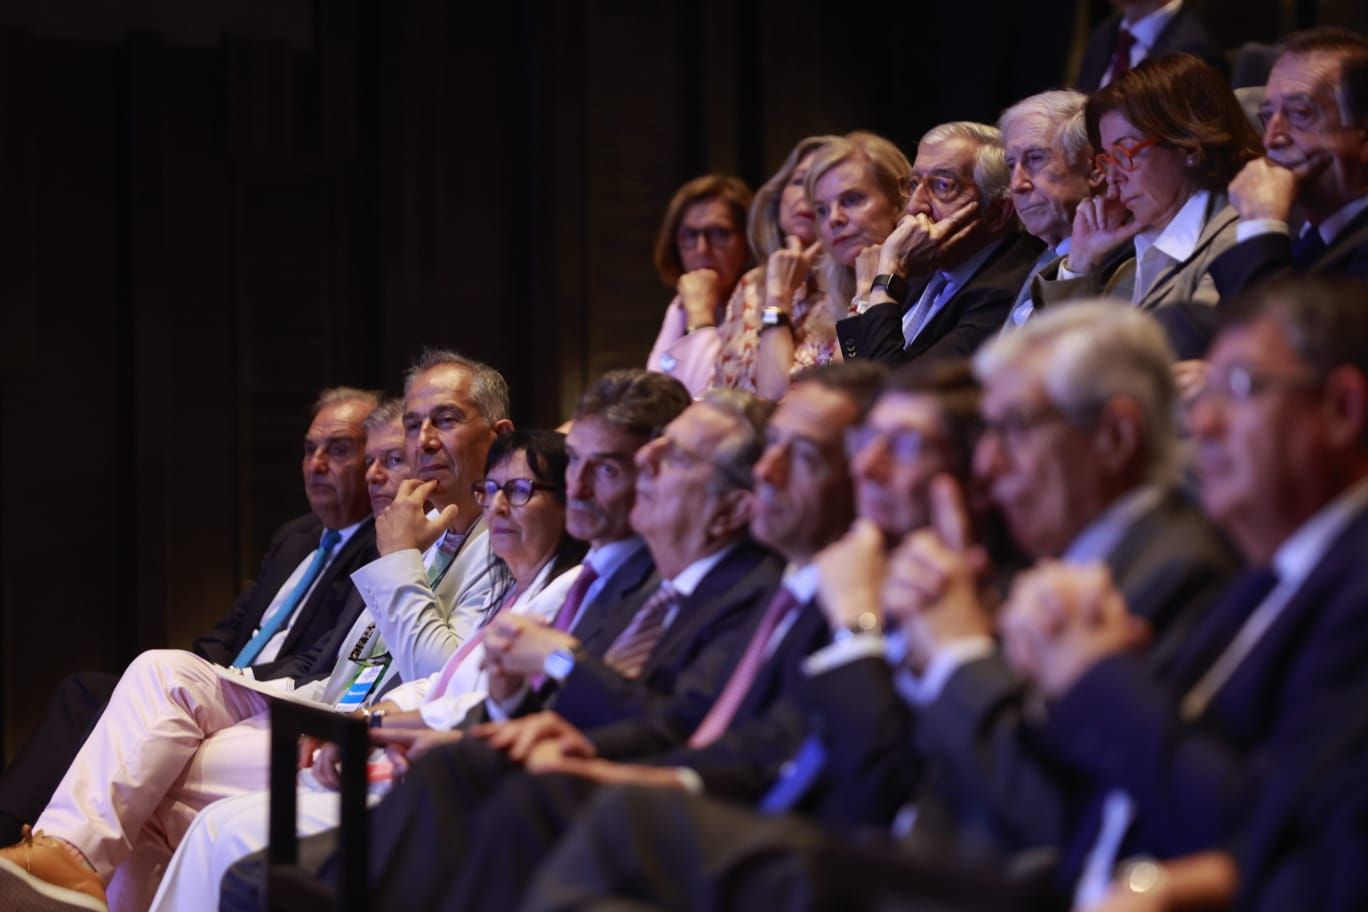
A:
(948, 274)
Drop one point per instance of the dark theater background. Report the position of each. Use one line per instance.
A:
(211, 209)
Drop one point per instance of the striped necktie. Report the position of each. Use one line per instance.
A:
(629, 652)
(268, 629)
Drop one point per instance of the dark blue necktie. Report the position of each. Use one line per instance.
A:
(1307, 249)
(257, 643)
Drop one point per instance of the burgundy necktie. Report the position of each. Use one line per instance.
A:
(1120, 61)
(628, 654)
(569, 609)
(724, 709)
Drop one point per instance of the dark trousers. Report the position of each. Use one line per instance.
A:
(28, 783)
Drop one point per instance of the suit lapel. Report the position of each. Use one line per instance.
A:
(333, 585)
(1218, 218)
(1350, 240)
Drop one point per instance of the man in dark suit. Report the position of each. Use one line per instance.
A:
(951, 269)
(1083, 470)
(1144, 29)
(1315, 118)
(1178, 756)
(335, 487)
(802, 501)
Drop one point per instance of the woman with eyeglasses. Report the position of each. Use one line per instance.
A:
(779, 320)
(1170, 135)
(701, 253)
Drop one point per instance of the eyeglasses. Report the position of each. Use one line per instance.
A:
(904, 446)
(942, 187)
(679, 456)
(1121, 156)
(1014, 424)
(715, 235)
(1239, 383)
(517, 491)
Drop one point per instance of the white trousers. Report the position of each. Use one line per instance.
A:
(175, 738)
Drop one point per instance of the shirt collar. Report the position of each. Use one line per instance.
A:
(801, 581)
(1303, 549)
(1062, 248)
(1103, 534)
(607, 558)
(956, 278)
(1332, 226)
(344, 535)
(687, 580)
(1179, 238)
(1147, 30)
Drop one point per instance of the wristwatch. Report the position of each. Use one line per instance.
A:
(866, 623)
(775, 316)
(559, 664)
(895, 286)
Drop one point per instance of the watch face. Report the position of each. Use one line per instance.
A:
(559, 664)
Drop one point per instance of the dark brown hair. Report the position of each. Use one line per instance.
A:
(1185, 103)
(730, 190)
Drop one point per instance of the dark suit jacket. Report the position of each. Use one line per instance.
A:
(974, 313)
(1195, 782)
(1268, 256)
(319, 614)
(1184, 33)
(686, 670)
(1001, 790)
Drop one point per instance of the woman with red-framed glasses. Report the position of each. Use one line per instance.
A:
(1169, 135)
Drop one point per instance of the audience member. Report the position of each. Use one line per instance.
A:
(1169, 137)
(959, 242)
(1143, 29)
(779, 319)
(701, 253)
(1315, 169)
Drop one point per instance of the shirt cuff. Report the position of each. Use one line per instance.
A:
(689, 780)
(844, 651)
(1066, 273)
(1255, 227)
(947, 660)
(445, 713)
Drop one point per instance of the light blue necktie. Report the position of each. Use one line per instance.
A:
(257, 643)
(916, 318)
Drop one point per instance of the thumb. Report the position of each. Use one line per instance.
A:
(813, 249)
(949, 516)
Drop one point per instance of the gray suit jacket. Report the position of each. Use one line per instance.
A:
(1185, 281)
(992, 783)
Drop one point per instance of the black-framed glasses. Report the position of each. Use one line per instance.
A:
(1240, 383)
(517, 491)
(715, 235)
(1123, 157)
(903, 445)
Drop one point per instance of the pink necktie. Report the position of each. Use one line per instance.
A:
(475, 639)
(724, 710)
(629, 652)
(568, 610)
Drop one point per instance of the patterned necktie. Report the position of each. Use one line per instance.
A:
(916, 318)
(1307, 249)
(442, 560)
(569, 609)
(629, 652)
(724, 709)
(268, 629)
(1121, 53)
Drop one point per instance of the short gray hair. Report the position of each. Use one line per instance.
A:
(1092, 351)
(990, 159)
(387, 412)
(488, 388)
(736, 456)
(1062, 109)
(336, 395)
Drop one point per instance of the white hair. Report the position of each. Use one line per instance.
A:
(990, 160)
(1062, 109)
(1088, 352)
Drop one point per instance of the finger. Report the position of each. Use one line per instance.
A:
(398, 761)
(812, 251)
(961, 215)
(447, 516)
(961, 234)
(949, 515)
(389, 737)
